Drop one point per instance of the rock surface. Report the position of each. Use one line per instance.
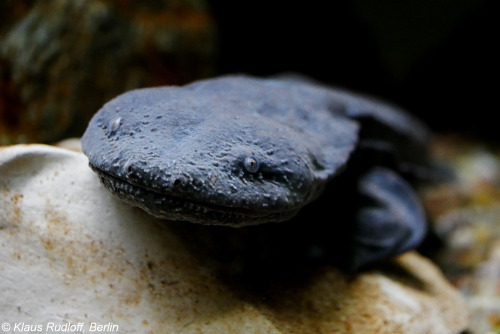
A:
(60, 60)
(73, 254)
(466, 217)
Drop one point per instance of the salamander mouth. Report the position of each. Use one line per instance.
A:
(173, 207)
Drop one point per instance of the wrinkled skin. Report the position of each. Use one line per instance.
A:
(239, 151)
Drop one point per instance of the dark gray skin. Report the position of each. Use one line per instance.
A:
(239, 151)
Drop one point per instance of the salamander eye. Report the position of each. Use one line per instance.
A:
(251, 164)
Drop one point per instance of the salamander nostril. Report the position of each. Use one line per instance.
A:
(177, 182)
(197, 183)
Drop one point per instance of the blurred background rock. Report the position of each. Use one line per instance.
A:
(465, 217)
(60, 60)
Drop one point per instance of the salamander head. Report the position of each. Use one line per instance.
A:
(205, 155)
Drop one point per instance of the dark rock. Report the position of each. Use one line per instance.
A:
(60, 60)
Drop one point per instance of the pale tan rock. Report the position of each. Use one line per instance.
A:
(72, 144)
(73, 254)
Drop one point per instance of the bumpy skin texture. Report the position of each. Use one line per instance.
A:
(241, 151)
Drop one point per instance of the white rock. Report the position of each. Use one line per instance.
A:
(71, 253)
